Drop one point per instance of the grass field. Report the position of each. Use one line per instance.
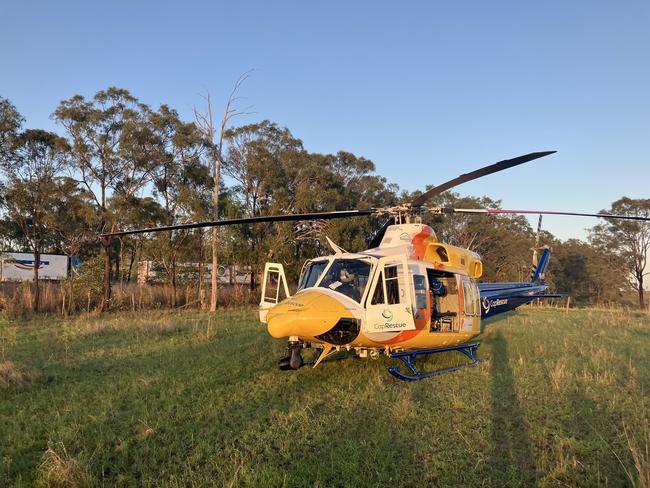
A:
(561, 399)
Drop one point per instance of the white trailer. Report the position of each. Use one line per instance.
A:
(229, 274)
(19, 266)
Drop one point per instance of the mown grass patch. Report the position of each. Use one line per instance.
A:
(165, 398)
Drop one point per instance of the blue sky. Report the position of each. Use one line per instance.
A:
(427, 90)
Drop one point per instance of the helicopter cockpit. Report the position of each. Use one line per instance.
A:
(347, 276)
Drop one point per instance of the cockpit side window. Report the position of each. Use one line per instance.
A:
(311, 273)
(392, 284)
(378, 296)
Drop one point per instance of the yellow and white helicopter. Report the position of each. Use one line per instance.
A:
(407, 295)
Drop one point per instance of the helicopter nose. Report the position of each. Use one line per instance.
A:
(307, 314)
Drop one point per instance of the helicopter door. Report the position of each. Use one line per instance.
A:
(274, 288)
(389, 306)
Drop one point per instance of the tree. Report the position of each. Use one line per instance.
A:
(112, 147)
(269, 166)
(135, 212)
(274, 174)
(10, 123)
(179, 181)
(214, 140)
(586, 273)
(32, 189)
(629, 239)
(74, 221)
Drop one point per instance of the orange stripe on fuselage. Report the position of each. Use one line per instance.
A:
(420, 242)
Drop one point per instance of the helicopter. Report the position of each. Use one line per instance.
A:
(407, 295)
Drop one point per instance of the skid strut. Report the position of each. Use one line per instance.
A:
(409, 357)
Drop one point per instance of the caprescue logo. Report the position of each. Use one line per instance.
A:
(488, 304)
(387, 314)
(405, 236)
(387, 326)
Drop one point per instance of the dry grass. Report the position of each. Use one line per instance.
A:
(640, 452)
(16, 298)
(10, 375)
(559, 375)
(60, 469)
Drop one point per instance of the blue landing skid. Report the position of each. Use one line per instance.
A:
(408, 358)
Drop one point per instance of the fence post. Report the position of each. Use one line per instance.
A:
(568, 303)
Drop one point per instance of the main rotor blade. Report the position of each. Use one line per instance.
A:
(541, 212)
(343, 214)
(487, 170)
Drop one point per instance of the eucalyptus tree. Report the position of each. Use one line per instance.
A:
(587, 274)
(266, 163)
(180, 181)
(629, 239)
(274, 174)
(74, 223)
(32, 189)
(135, 212)
(112, 147)
(10, 123)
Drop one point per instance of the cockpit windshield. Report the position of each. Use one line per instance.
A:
(311, 273)
(347, 276)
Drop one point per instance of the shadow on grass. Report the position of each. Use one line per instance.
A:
(511, 455)
(485, 323)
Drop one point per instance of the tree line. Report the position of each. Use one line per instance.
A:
(118, 163)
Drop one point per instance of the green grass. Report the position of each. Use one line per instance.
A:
(561, 399)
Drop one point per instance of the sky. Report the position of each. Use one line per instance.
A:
(427, 90)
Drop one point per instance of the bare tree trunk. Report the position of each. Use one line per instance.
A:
(106, 246)
(173, 283)
(215, 265)
(131, 260)
(70, 295)
(205, 123)
(37, 286)
(641, 297)
(118, 259)
(201, 272)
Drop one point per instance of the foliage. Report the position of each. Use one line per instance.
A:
(124, 165)
(629, 240)
(32, 190)
(10, 123)
(88, 283)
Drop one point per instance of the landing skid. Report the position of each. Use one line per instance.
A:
(409, 357)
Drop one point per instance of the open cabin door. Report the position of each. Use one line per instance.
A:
(274, 288)
(389, 306)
